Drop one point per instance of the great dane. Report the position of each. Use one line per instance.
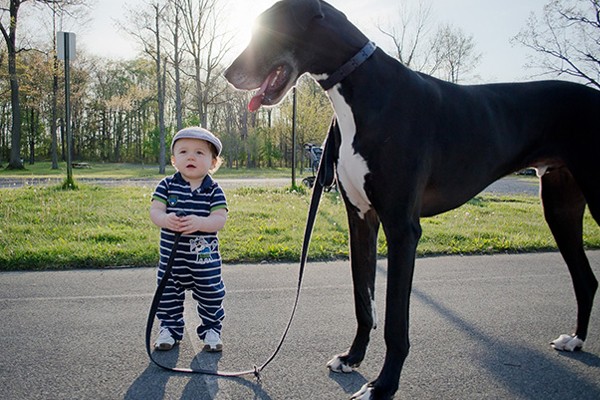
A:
(409, 146)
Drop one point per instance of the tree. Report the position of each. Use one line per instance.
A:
(176, 59)
(9, 32)
(34, 95)
(206, 45)
(447, 53)
(55, 73)
(566, 40)
(144, 21)
(9, 18)
(160, 87)
(454, 54)
(408, 36)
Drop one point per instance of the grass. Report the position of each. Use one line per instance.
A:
(44, 170)
(94, 227)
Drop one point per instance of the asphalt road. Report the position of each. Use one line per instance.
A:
(228, 183)
(511, 184)
(480, 329)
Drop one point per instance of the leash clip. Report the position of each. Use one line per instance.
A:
(257, 375)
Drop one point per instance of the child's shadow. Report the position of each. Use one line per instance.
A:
(152, 382)
(208, 385)
(202, 386)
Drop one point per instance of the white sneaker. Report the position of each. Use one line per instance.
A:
(165, 341)
(212, 342)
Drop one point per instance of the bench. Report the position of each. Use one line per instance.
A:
(80, 165)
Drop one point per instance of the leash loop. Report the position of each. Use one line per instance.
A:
(324, 174)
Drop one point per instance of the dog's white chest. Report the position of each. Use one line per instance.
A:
(352, 167)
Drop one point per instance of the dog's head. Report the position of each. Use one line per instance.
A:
(290, 38)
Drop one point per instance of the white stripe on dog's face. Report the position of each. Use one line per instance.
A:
(352, 167)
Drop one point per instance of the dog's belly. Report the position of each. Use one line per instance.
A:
(351, 167)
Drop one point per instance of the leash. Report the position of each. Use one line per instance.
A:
(325, 177)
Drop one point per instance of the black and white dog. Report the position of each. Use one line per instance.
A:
(409, 145)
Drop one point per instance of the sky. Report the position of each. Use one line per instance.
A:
(492, 23)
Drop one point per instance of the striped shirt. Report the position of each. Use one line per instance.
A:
(176, 193)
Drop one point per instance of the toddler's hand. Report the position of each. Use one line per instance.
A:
(173, 222)
(190, 224)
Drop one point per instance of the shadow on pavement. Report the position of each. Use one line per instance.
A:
(537, 372)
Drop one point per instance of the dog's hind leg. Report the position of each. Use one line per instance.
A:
(564, 205)
(363, 259)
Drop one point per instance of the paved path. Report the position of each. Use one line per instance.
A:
(512, 184)
(228, 183)
(480, 330)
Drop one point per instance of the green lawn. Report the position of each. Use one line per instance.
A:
(130, 171)
(47, 228)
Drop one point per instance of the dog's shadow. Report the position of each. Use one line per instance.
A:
(507, 362)
(350, 383)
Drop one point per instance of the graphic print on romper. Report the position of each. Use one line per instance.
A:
(172, 200)
(203, 249)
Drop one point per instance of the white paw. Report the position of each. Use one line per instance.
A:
(363, 394)
(567, 343)
(337, 365)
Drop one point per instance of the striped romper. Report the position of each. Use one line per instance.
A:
(197, 265)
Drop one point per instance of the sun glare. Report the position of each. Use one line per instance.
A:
(242, 14)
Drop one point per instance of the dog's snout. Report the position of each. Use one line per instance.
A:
(233, 76)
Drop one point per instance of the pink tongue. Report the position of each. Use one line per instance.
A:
(255, 102)
(257, 99)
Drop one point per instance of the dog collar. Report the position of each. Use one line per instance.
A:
(349, 67)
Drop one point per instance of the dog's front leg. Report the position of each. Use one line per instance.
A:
(402, 239)
(363, 259)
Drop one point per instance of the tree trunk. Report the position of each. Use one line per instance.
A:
(53, 125)
(199, 95)
(161, 98)
(32, 137)
(177, 67)
(10, 37)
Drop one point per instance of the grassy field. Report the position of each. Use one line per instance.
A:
(129, 171)
(95, 227)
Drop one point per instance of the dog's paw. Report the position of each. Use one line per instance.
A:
(567, 343)
(336, 364)
(364, 393)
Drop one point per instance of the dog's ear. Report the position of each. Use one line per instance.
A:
(303, 11)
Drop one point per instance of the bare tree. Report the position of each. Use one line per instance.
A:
(160, 79)
(454, 54)
(206, 45)
(409, 36)
(565, 40)
(176, 60)
(150, 21)
(447, 52)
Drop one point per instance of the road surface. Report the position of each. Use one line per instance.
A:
(480, 329)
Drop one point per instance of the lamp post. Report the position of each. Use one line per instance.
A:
(294, 137)
(66, 51)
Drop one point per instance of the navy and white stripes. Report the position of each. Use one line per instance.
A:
(197, 264)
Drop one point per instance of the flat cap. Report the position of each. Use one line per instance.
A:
(196, 132)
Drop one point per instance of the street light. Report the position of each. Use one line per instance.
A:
(294, 137)
(66, 51)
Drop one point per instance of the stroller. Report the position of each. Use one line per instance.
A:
(314, 156)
